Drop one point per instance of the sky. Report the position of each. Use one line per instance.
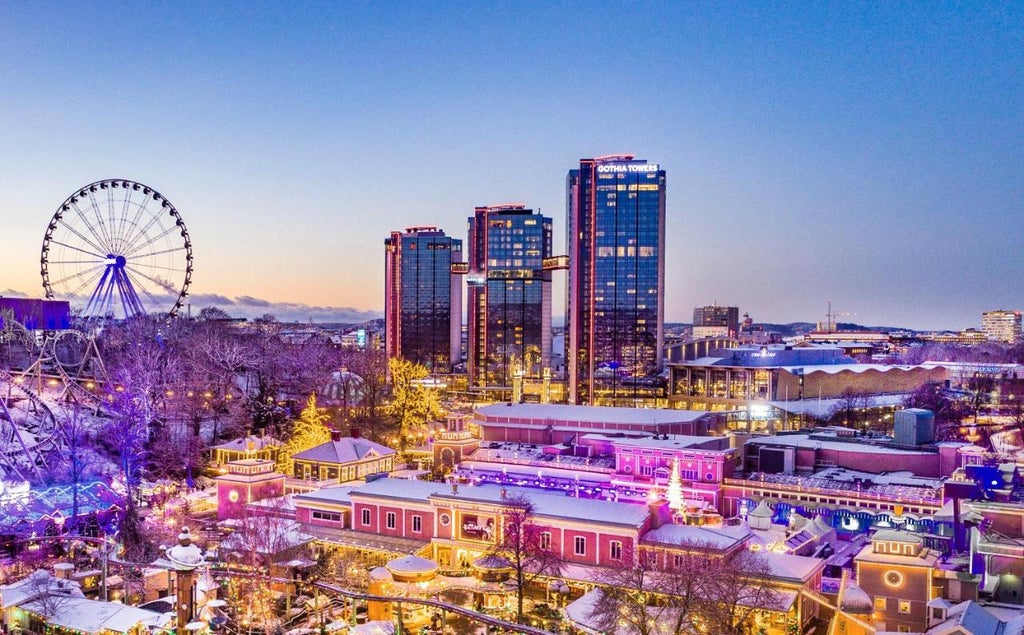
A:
(867, 154)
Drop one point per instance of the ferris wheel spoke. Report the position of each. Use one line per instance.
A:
(85, 239)
(129, 223)
(166, 268)
(88, 274)
(142, 233)
(131, 214)
(150, 254)
(98, 213)
(87, 281)
(100, 294)
(96, 240)
(152, 298)
(163, 284)
(79, 249)
(76, 262)
(129, 297)
(127, 237)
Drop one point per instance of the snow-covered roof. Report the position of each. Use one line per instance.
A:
(400, 488)
(905, 478)
(555, 505)
(822, 408)
(673, 442)
(344, 450)
(792, 567)
(337, 494)
(34, 585)
(588, 414)
(722, 538)
(95, 616)
(822, 441)
(242, 444)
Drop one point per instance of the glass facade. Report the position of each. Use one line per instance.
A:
(509, 294)
(423, 300)
(616, 243)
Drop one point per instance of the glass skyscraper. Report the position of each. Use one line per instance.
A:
(422, 298)
(509, 294)
(615, 207)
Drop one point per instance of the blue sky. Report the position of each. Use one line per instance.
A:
(867, 153)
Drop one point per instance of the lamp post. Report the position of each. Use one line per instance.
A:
(185, 558)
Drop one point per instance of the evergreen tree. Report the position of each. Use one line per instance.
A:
(675, 489)
(412, 403)
(310, 430)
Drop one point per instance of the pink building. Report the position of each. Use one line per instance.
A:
(555, 423)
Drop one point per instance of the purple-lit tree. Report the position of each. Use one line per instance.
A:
(79, 457)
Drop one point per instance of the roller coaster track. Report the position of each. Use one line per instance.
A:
(47, 434)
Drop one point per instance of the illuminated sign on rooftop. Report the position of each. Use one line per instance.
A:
(629, 167)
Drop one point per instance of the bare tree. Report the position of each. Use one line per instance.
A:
(735, 588)
(649, 595)
(851, 408)
(520, 542)
(372, 367)
(78, 458)
(49, 595)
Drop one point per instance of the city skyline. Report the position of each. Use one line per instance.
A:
(866, 155)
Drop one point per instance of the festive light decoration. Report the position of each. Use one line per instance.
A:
(310, 431)
(675, 489)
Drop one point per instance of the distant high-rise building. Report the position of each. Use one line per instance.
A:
(509, 293)
(716, 321)
(1001, 326)
(422, 297)
(616, 245)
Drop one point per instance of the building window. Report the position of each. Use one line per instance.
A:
(677, 560)
(390, 520)
(545, 540)
(366, 517)
(880, 604)
(417, 524)
(616, 550)
(904, 606)
(331, 516)
(580, 546)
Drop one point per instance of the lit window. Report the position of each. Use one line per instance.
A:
(880, 604)
(904, 606)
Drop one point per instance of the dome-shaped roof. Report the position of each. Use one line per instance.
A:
(855, 601)
(380, 573)
(412, 569)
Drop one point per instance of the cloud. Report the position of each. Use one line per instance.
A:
(209, 299)
(251, 301)
(249, 307)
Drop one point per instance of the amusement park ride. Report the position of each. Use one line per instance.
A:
(114, 249)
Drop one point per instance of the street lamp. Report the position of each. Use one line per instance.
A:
(185, 558)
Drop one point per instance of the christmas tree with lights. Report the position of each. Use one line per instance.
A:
(310, 430)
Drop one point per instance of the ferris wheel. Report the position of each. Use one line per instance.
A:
(117, 249)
